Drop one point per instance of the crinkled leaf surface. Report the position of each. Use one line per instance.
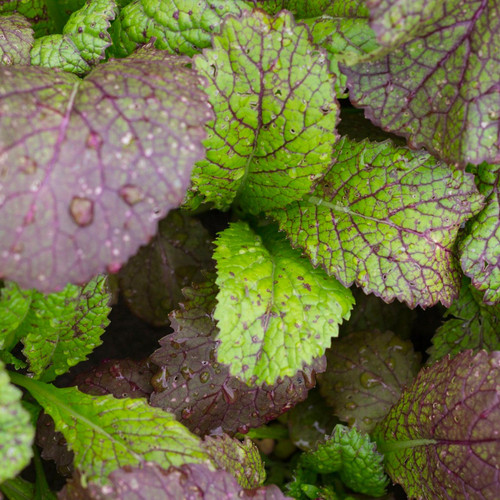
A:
(241, 459)
(471, 324)
(275, 312)
(354, 456)
(148, 482)
(83, 41)
(386, 218)
(16, 39)
(62, 328)
(36, 11)
(107, 433)
(152, 280)
(305, 9)
(14, 307)
(90, 166)
(275, 113)
(441, 440)
(366, 373)
(181, 26)
(438, 83)
(16, 431)
(480, 248)
(200, 391)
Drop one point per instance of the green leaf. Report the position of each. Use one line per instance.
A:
(16, 39)
(480, 248)
(435, 81)
(107, 433)
(18, 489)
(14, 307)
(306, 9)
(61, 329)
(241, 459)
(275, 113)
(16, 431)
(180, 27)
(35, 10)
(471, 325)
(441, 439)
(275, 312)
(84, 39)
(366, 373)
(386, 218)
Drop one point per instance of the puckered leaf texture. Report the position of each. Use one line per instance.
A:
(441, 440)
(436, 81)
(275, 113)
(275, 312)
(88, 167)
(16, 39)
(480, 248)
(35, 10)
(180, 26)
(83, 41)
(306, 9)
(107, 433)
(16, 431)
(471, 324)
(386, 218)
(190, 482)
(200, 391)
(152, 280)
(366, 373)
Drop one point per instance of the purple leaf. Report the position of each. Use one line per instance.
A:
(200, 391)
(16, 39)
(89, 166)
(442, 439)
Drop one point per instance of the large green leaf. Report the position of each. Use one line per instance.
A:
(16, 39)
(275, 113)
(35, 10)
(107, 433)
(480, 248)
(441, 439)
(386, 219)
(16, 431)
(436, 79)
(275, 312)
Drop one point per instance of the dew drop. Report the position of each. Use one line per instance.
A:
(186, 413)
(351, 406)
(28, 165)
(131, 194)
(367, 380)
(204, 377)
(82, 211)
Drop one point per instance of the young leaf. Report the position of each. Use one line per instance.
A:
(106, 433)
(152, 280)
(441, 440)
(241, 459)
(83, 41)
(275, 312)
(16, 39)
(480, 248)
(437, 83)
(180, 27)
(275, 113)
(386, 219)
(61, 329)
(200, 391)
(153, 482)
(16, 431)
(93, 164)
(471, 325)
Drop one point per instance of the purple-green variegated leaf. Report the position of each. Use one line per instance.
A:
(89, 166)
(442, 439)
(35, 11)
(386, 218)
(436, 81)
(480, 247)
(16, 39)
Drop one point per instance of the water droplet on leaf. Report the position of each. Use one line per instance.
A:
(82, 211)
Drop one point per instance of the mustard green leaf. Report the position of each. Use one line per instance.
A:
(16, 39)
(36, 11)
(275, 113)
(275, 312)
(307, 9)
(386, 218)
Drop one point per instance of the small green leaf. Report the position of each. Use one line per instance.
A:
(275, 312)
(18, 489)
(107, 433)
(275, 112)
(84, 39)
(16, 39)
(14, 307)
(16, 431)
(471, 324)
(480, 248)
(386, 218)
